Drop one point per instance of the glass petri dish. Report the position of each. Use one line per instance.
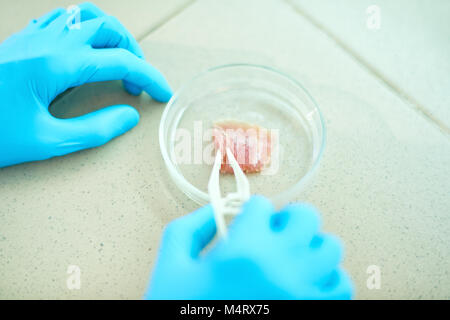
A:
(252, 94)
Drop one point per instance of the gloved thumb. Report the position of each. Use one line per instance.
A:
(93, 129)
(189, 235)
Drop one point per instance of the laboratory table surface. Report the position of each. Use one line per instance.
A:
(383, 183)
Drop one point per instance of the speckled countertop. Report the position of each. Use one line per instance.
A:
(383, 184)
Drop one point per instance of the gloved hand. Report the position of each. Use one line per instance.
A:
(266, 255)
(53, 54)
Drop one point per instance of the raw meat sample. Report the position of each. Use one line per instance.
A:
(250, 145)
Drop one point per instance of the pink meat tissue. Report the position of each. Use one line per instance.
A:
(250, 144)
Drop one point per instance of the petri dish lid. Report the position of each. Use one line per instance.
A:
(253, 94)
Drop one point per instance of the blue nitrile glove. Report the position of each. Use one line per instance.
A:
(267, 255)
(55, 53)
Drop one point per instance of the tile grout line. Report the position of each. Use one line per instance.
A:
(415, 105)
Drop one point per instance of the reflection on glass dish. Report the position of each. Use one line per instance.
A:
(247, 94)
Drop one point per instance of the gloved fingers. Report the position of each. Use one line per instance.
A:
(93, 129)
(254, 217)
(108, 32)
(337, 286)
(90, 11)
(86, 11)
(326, 250)
(77, 14)
(48, 18)
(325, 254)
(297, 223)
(120, 64)
(190, 234)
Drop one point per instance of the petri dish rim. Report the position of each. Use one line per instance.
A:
(202, 197)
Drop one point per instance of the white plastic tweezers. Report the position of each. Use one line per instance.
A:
(232, 203)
